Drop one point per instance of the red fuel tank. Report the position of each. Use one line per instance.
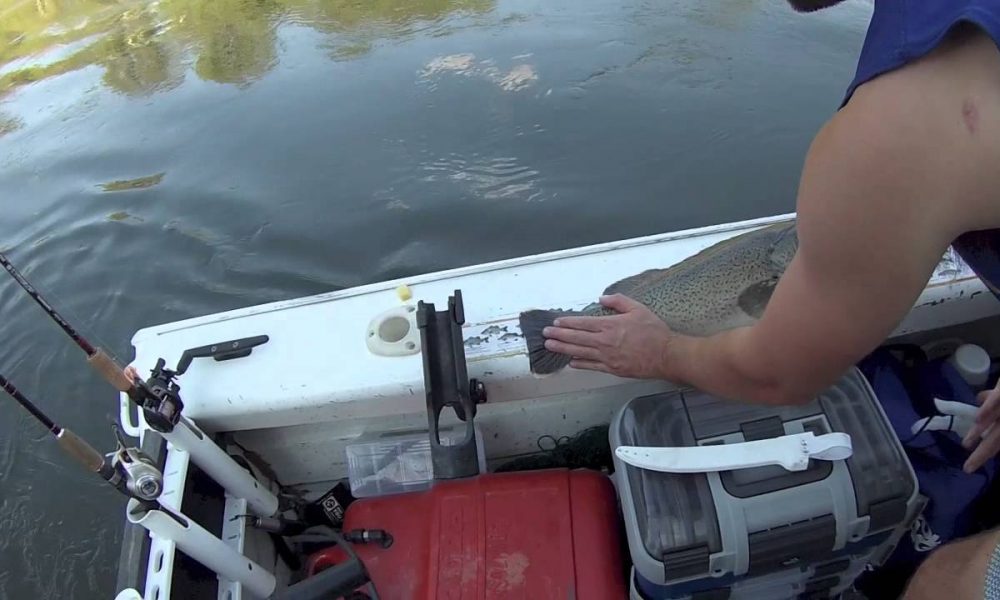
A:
(533, 535)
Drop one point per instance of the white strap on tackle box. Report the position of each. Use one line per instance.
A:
(790, 451)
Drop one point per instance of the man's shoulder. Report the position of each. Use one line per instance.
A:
(930, 129)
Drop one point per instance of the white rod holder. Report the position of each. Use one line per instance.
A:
(202, 546)
(222, 468)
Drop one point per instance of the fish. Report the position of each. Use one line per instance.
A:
(724, 286)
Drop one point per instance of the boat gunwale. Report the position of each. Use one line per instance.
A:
(477, 269)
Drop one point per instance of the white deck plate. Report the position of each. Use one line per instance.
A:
(317, 367)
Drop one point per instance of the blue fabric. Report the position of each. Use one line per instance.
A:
(906, 387)
(902, 31)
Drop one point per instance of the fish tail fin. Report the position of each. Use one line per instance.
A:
(543, 361)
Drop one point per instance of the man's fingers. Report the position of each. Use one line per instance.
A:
(986, 416)
(582, 323)
(983, 452)
(974, 435)
(589, 365)
(990, 409)
(572, 350)
(577, 337)
(620, 303)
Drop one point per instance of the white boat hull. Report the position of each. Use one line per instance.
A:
(315, 386)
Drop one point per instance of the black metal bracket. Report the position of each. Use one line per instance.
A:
(159, 396)
(447, 384)
(220, 351)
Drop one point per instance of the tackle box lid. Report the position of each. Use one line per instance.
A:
(674, 518)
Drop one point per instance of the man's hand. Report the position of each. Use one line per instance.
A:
(631, 344)
(983, 436)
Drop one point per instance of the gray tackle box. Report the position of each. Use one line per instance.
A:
(763, 532)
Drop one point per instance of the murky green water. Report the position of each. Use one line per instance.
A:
(175, 158)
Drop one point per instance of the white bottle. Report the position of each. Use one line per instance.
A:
(973, 363)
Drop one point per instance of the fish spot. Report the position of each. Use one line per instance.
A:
(476, 341)
(510, 336)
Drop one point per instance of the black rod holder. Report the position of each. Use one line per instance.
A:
(447, 384)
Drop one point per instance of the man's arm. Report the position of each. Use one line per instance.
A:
(888, 183)
(892, 179)
(873, 221)
(884, 190)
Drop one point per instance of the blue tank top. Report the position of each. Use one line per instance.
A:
(902, 31)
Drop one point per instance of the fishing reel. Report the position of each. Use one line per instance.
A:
(159, 396)
(134, 472)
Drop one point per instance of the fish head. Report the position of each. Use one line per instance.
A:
(784, 246)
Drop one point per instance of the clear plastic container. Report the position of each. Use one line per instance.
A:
(397, 463)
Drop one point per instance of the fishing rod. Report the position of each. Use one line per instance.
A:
(129, 470)
(159, 399)
(100, 360)
(133, 473)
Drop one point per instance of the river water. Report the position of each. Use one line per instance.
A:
(170, 159)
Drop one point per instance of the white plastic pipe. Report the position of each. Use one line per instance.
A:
(222, 468)
(199, 544)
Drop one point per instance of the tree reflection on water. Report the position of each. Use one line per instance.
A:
(148, 47)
